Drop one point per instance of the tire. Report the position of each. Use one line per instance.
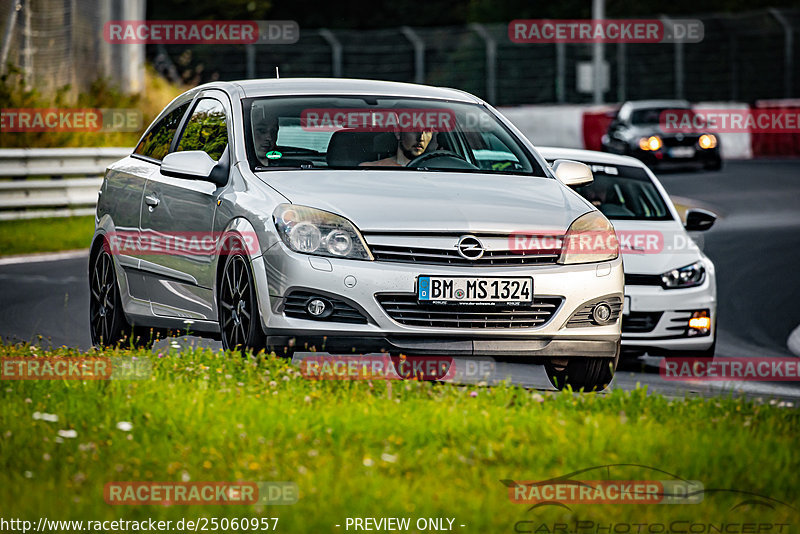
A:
(107, 322)
(583, 374)
(239, 320)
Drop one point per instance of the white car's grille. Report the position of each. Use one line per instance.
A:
(405, 309)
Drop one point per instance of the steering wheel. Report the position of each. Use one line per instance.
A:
(460, 162)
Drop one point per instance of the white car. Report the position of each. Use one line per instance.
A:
(670, 286)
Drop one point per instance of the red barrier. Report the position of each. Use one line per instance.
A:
(595, 124)
(776, 144)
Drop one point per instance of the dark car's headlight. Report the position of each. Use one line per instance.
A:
(707, 141)
(689, 276)
(650, 143)
(312, 231)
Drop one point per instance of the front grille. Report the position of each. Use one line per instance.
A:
(688, 140)
(295, 306)
(679, 323)
(405, 309)
(451, 257)
(640, 322)
(642, 279)
(583, 317)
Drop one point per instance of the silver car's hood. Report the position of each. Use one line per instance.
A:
(387, 200)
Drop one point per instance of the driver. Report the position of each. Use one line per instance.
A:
(410, 145)
(265, 131)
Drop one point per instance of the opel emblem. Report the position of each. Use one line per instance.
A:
(469, 247)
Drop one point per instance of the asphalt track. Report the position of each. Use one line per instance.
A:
(755, 246)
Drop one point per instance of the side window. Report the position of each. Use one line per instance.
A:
(157, 141)
(206, 129)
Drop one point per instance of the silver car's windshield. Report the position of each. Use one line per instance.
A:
(376, 132)
(624, 192)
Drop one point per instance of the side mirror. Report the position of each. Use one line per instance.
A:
(192, 164)
(698, 220)
(572, 173)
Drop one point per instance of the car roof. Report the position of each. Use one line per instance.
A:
(340, 86)
(592, 156)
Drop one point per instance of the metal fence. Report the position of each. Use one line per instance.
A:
(58, 43)
(743, 57)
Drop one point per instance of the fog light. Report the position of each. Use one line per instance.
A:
(700, 323)
(317, 307)
(601, 313)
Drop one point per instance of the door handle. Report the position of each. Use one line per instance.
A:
(152, 201)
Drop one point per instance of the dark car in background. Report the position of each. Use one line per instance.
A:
(638, 130)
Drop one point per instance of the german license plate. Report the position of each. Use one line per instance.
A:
(467, 289)
(682, 152)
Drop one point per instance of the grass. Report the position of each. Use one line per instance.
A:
(45, 235)
(375, 449)
(156, 95)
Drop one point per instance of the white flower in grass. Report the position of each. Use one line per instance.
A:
(71, 433)
(49, 417)
(125, 426)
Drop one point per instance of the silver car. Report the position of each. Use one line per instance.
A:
(356, 216)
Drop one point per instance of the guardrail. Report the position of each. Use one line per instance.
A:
(70, 179)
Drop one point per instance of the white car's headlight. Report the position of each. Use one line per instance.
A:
(313, 231)
(689, 276)
(590, 238)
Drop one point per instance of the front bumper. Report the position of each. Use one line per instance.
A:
(664, 157)
(671, 309)
(280, 272)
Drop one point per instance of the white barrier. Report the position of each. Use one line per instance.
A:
(74, 195)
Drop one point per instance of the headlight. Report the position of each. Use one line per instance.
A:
(650, 143)
(689, 276)
(590, 239)
(312, 231)
(707, 141)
